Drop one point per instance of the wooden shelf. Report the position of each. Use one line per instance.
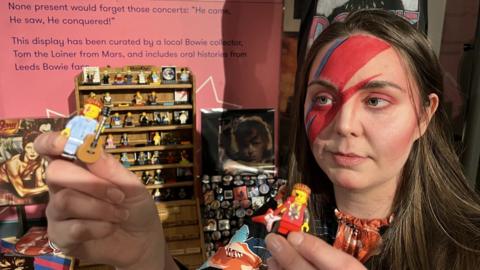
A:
(153, 107)
(133, 86)
(159, 166)
(149, 128)
(149, 148)
(171, 185)
(176, 203)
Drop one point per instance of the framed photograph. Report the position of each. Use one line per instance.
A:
(169, 74)
(91, 75)
(22, 169)
(223, 224)
(228, 194)
(257, 202)
(181, 96)
(181, 117)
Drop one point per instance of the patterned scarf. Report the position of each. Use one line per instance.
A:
(359, 237)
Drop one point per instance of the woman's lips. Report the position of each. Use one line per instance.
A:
(348, 160)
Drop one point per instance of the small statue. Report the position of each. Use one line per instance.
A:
(80, 126)
(171, 157)
(291, 216)
(155, 158)
(124, 140)
(154, 77)
(158, 178)
(118, 78)
(129, 77)
(138, 99)
(141, 158)
(115, 120)
(184, 75)
(105, 77)
(143, 119)
(184, 157)
(107, 100)
(183, 117)
(141, 77)
(128, 122)
(152, 98)
(124, 160)
(157, 118)
(109, 142)
(157, 139)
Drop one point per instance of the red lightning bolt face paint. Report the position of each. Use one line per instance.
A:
(341, 61)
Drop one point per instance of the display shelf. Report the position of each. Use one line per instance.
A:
(149, 148)
(152, 108)
(150, 128)
(171, 185)
(134, 87)
(160, 166)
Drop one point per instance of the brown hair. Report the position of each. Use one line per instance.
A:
(437, 215)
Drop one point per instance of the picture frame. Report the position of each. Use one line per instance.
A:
(91, 76)
(180, 96)
(169, 74)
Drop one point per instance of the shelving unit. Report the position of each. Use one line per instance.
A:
(160, 150)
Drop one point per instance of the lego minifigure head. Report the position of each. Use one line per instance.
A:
(129, 114)
(301, 193)
(92, 108)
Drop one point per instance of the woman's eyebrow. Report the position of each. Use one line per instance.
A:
(382, 84)
(325, 84)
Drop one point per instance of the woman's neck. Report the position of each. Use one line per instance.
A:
(366, 204)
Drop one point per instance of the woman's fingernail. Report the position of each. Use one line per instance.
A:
(272, 242)
(295, 238)
(115, 195)
(122, 214)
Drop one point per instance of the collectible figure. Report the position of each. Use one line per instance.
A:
(110, 144)
(115, 121)
(156, 139)
(124, 160)
(107, 100)
(129, 77)
(92, 95)
(152, 98)
(118, 78)
(105, 77)
(128, 122)
(166, 119)
(80, 126)
(157, 118)
(141, 158)
(182, 194)
(171, 157)
(138, 99)
(147, 179)
(158, 177)
(124, 140)
(154, 78)
(155, 158)
(141, 77)
(184, 75)
(143, 119)
(184, 157)
(291, 216)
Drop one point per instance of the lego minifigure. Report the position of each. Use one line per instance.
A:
(124, 160)
(80, 126)
(141, 77)
(291, 216)
(152, 98)
(143, 119)
(184, 75)
(184, 157)
(138, 99)
(109, 142)
(158, 177)
(105, 77)
(129, 77)
(171, 157)
(155, 158)
(156, 139)
(154, 78)
(147, 179)
(107, 100)
(183, 117)
(124, 139)
(141, 159)
(157, 118)
(118, 78)
(115, 120)
(128, 122)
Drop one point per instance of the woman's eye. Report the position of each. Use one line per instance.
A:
(323, 100)
(377, 102)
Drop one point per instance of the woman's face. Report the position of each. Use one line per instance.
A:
(30, 152)
(359, 115)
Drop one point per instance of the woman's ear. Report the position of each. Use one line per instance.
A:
(430, 107)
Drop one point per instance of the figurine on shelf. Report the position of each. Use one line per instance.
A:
(109, 142)
(182, 194)
(165, 118)
(157, 195)
(143, 119)
(80, 126)
(129, 77)
(184, 75)
(141, 77)
(115, 121)
(155, 158)
(105, 77)
(124, 160)
(154, 77)
(171, 157)
(92, 95)
(158, 178)
(291, 216)
(184, 157)
(124, 140)
(138, 99)
(156, 138)
(147, 178)
(141, 159)
(128, 122)
(107, 100)
(152, 98)
(118, 78)
(157, 117)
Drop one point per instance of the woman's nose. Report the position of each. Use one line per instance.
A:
(347, 121)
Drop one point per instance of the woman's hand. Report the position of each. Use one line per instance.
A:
(304, 251)
(101, 212)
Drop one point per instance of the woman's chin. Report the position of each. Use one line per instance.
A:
(350, 180)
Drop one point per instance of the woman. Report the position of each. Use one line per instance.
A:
(369, 143)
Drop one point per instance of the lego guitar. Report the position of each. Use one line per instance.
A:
(90, 150)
